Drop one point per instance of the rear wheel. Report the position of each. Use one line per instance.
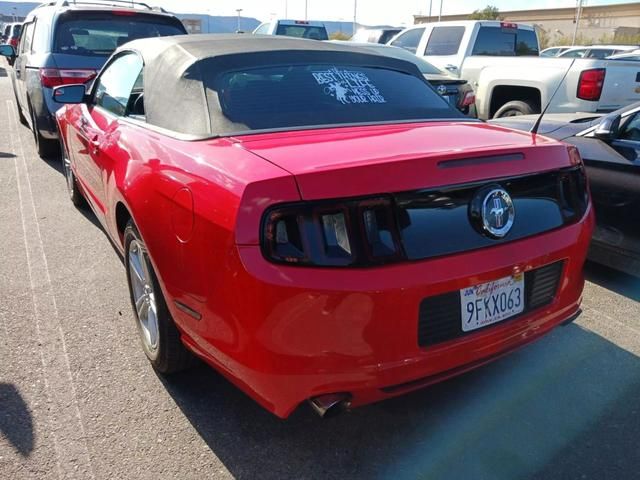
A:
(21, 117)
(46, 148)
(159, 334)
(515, 108)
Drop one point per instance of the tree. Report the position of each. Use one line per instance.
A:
(487, 13)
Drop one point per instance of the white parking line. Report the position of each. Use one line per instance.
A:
(67, 428)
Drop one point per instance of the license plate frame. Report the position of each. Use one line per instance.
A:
(492, 302)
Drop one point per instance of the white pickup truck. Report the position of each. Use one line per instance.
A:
(500, 61)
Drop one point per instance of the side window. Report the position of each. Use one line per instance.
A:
(600, 53)
(575, 54)
(114, 90)
(263, 29)
(631, 129)
(40, 37)
(409, 40)
(444, 41)
(27, 36)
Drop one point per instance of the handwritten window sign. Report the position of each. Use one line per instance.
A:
(348, 86)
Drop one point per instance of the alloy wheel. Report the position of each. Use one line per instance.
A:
(143, 295)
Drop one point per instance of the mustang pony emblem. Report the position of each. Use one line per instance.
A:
(497, 212)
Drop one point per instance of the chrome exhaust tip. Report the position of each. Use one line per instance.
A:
(331, 404)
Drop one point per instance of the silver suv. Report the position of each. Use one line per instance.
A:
(66, 42)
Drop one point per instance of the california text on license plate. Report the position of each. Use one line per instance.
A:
(491, 302)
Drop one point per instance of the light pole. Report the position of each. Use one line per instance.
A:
(355, 16)
(306, 10)
(430, 5)
(286, 8)
(578, 14)
(239, 10)
(440, 14)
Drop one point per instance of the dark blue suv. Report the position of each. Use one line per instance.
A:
(66, 42)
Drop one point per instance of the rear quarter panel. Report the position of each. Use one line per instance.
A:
(185, 199)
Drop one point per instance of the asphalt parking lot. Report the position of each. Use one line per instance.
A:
(78, 398)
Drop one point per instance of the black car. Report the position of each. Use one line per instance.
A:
(375, 35)
(65, 42)
(610, 148)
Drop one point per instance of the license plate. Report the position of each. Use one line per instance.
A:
(491, 302)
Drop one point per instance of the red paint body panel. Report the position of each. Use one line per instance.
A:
(284, 333)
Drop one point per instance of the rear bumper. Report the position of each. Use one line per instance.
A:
(285, 334)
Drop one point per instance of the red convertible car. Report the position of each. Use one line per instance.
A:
(316, 222)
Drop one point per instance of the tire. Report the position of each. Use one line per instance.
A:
(75, 194)
(46, 148)
(21, 117)
(515, 108)
(163, 348)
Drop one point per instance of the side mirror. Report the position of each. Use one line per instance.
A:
(69, 93)
(608, 128)
(7, 51)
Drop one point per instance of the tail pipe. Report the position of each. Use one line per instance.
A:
(331, 404)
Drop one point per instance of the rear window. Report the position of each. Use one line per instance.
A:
(505, 42)
(311, 95)
(444, 41)
(100, 35)
(303, 31)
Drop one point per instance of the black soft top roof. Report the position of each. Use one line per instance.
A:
(181, 71)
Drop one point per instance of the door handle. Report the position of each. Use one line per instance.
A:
(95, 144)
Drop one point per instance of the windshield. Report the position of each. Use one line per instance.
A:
(101, 34)
(301, 96)
(303, 31)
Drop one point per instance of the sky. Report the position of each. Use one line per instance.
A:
(369, 12)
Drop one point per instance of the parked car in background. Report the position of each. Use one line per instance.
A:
(454, 90)
(375, 35)
(553, 51)
(294, 28)
(11, 34)
(596, 51)
(610, 148)
(68, 42)
(633, 56)
(282, 205)
(500, 60)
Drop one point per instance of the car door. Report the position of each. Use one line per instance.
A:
(613, 168)
(22, 61)
(98, 121)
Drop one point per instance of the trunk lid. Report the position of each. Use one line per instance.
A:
(353, 161)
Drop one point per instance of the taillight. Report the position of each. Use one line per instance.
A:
(469, 98)
(53, 77)
(591, 83)
(349, 233)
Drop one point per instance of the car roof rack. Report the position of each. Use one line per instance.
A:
(103, 3)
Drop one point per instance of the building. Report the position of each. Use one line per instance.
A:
(602, 23)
